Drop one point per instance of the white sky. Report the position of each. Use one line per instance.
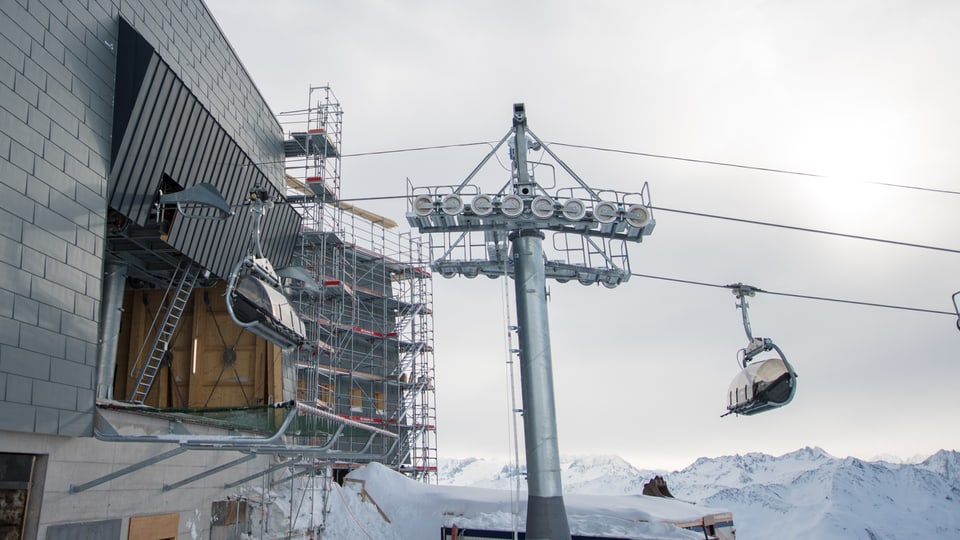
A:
(857, 89)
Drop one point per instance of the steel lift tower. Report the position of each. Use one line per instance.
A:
(502, 233)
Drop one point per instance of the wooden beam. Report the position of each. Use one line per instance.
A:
(372, 217)
(297, 184)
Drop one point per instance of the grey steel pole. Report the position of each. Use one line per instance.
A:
(546, 513)
(114, 281)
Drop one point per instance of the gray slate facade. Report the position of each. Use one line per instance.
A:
(57, 72)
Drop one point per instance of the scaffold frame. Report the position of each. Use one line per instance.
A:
(369, 356)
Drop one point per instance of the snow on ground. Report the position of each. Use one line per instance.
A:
(417, 510)
(803, 494)
(376, 502)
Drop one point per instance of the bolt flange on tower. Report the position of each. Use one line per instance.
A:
(501, 232)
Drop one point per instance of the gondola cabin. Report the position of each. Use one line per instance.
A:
(256, 303)
(761, 386)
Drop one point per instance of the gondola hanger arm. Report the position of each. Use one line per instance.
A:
(956, 306)
(742, 291)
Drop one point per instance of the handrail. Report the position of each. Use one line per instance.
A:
(295, 408)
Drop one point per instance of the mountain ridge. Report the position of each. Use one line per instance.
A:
(807, 493)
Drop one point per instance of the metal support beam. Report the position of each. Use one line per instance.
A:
(209, 472)
(114, 281)
(75, 488)
(305, 470)
(483, 162)
(313, 452)
(268, 470)
(298, 474)
(546, 513)
(105, 432)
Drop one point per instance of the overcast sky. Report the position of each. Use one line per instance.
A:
(858, 90)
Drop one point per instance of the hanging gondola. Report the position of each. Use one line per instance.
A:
(763, 384)
(255, 299)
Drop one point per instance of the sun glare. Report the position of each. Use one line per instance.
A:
(854, 159)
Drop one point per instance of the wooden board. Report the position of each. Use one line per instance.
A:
(156, 527)
(198, 374)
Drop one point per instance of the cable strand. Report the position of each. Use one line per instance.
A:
(806, 229)
(801, 296)
(748, 167)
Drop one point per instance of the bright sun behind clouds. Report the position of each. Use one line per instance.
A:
(855, 150)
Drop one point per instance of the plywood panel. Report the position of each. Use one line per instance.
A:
(199, 374)
(155, 527)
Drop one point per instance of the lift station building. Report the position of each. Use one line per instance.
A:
(140, 167)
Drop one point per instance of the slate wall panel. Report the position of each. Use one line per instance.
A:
(58, 67)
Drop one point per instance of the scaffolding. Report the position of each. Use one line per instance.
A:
(366, 302)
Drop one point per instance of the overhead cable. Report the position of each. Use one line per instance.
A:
(644, 154)
(795, 295)
(740, 220)
(382, 152)
(417, 149)
(806, 229)
(749, 167)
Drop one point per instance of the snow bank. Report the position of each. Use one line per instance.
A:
(377, 502)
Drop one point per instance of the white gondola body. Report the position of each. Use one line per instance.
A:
(762, 385)
(259, 305)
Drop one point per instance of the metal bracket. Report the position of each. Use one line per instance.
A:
(956, 307)
(209, 472)
(757, 345)
(176, 427)
(77, 488)
(250, 446)
(288, 463)
(742, 291)
(198, 197)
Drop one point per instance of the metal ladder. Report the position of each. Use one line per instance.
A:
(174, 302)
(406, 316)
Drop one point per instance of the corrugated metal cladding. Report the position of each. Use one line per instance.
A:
(166, 131)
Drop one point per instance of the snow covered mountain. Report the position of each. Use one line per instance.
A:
(800, 495)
